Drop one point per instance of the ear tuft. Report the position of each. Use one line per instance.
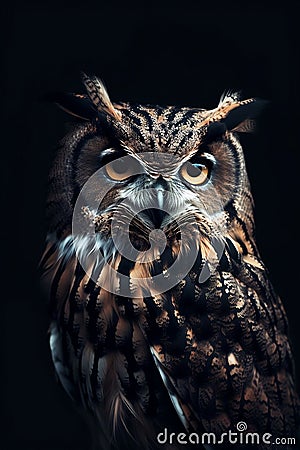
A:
(99, 96)
(241, 117)
(233, 115)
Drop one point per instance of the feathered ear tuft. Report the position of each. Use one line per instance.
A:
(77, 105)
(99, 97)
(241, 117)
(233, 114)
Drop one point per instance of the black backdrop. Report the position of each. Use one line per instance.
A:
(169, 53)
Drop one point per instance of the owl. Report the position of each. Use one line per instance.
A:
(164, 326)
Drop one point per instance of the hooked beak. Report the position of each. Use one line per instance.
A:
(157, 214)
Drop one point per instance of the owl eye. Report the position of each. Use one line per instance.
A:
(196, 173)
(121, 168)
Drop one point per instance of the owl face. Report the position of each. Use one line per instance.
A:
(180, 171)
(168, 156)
(164, 165)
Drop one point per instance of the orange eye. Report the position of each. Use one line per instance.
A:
(195, 173)
(121, 168)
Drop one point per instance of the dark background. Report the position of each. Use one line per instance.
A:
(169, 53)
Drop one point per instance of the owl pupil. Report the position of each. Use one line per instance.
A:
(120, 166)
(194, 170)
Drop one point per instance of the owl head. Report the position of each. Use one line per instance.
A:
(149, 176)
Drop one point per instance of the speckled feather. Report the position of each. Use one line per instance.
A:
(201, 356)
